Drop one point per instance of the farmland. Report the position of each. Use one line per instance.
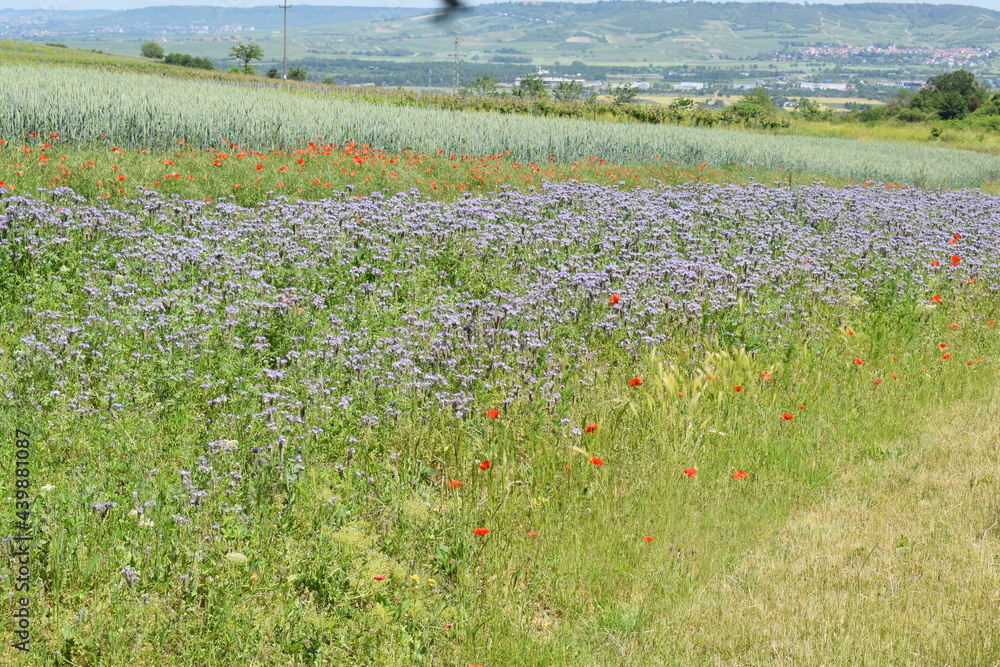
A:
(120, 109)
(310, 381)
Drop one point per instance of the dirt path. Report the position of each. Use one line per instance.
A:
(898, 564)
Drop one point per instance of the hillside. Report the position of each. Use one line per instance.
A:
(612, 32)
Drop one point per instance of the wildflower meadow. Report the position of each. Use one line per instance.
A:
(561, 421)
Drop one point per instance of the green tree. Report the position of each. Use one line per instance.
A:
(272, 73)
(532, 87)
(483, 86)
(152, 50)
(568, 91)
(809, 110)
(624, 93)
(951, 95)
(683, 104)
(297, 73)
(245, 52)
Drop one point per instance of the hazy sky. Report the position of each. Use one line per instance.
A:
(50, 5)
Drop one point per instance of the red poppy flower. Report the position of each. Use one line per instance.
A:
(969, 363)
(481, 531)
(894, 377)
(878, 382)
(492, 413)
(955, 259)
(690, 472)
(379, 577)
(859, 362)
(895, 358)
(738, 387)
(850, 332)
(787, 416)
(991, 322)
(766, 375)
(596, 461)
(954, 325)
(946, 355)
(942, 346)
(957, 237)
(532, 533)
(591, 427)
(936, 298)
(935, 263)
(739, 474)
(614, 299)
(485, 465)
(635, 382)
(454, 484)
(648, 538)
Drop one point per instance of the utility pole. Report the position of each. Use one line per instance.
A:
(455, 91)
(284, 44)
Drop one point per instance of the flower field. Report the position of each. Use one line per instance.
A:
(496, 430)
(118, 109)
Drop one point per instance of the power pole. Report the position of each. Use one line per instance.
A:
(284, 43)
(455, 91)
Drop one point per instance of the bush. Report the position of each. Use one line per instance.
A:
(297, 74)
(186, 60)
(909, 115)
(152, 50)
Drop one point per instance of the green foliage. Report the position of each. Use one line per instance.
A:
(568, 91)
(684, 104)
(297, 73)
(531, 87)
(272, 73)
(624, 93)
(755, 109)
(245, 52)
(483, 86)
(152, 50)
(989, 107)
(185, 60)
(809, 110)
(950, 96)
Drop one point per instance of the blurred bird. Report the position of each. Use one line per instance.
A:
(450, 7)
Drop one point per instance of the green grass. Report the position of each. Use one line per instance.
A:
(856, 494)
(589, 590)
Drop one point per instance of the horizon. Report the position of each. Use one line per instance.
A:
(119, 5)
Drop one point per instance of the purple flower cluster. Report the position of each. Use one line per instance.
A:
(307, 318)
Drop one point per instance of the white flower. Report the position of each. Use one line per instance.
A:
(48, 487)
(235, 558)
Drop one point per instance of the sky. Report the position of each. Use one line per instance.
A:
(50, 5)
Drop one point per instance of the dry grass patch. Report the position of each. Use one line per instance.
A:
(898, 564)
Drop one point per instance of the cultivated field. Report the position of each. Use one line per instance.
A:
(137, 111)
(561, 420)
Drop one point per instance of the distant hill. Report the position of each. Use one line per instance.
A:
(180, 16)
(631, 31)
